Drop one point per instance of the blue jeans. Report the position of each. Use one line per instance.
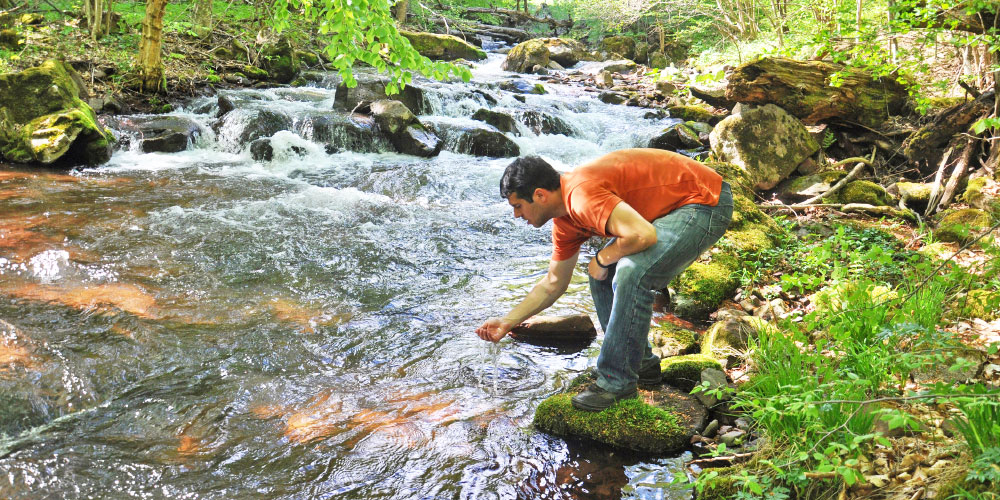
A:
(624, 300)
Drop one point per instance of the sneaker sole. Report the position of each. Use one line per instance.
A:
(586, 407)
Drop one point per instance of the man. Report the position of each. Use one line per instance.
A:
(662, 209)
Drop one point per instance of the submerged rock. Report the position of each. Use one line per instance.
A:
(660, 421)
(43, 119)
(501, 121)
(544, 123)
(556, 329)
(157, 134)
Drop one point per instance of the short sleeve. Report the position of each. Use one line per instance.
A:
(566, 239)
(590, 206)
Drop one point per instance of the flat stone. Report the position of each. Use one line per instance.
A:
(556, 329)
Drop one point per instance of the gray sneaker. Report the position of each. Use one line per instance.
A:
(651, 375)
(597, 399)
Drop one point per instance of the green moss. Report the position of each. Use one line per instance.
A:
(539, 89)
(631, 424)
(691, 113)
(864, 192)
(670, 338)
(307, 58)
(254, 73)
(724, 486)
(443, 47)
(703, 286)
(738, 178)
(961, 225)
(684, 372)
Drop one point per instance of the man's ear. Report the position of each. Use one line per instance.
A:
(540, 195)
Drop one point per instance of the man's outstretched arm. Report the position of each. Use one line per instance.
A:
(541, 296)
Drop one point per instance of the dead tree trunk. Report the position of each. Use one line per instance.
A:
(150, 61)
(401, 7)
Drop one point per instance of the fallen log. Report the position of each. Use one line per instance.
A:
(523, 16)
(924, 146)
(509, 35)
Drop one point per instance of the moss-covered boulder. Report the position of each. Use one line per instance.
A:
(692, 113)
(979, 193)
(539, 51)
(43, 120)
(807, 186)
(866, 192)
(10, 39)
(443, 47)
(684, 372)
(670, 340)
(621, 45)
(658, 60)
(281, 61)
(730, 337)
(915, 195)
(766, 141)
(661, 421)
(961, 225)
(254, 73)
(675, 137)
(701, 288)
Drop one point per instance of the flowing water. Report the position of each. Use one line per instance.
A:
(203, 325)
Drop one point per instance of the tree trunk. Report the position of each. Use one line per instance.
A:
(150, 61)
(98, 16)
(203, 18)
(401, 7)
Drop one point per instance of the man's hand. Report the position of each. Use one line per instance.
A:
(596, 271)
(494, 329)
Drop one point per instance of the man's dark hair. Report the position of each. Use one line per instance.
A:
(526, 174)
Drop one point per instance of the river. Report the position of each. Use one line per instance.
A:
(203, 325)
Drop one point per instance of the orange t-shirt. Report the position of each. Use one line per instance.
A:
(652, 181)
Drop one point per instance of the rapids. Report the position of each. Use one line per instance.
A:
(203, 325)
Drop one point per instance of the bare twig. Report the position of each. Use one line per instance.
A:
(970, 89)
(843, 182)
(729, 458)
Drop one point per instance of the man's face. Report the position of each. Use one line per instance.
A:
(531, 212)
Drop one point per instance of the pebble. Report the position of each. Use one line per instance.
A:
(732, 438)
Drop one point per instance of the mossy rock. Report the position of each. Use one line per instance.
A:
(658, 60)
(281, 61)
(866, 192)
(527, 55)
(835, 298)
(443, 47)
(700, 127)
(976, 195)
(692, 113)
(623, 45)
(660, 421)
(43, 119)
(982, 304)
(684, 372)
(309, 59)
(731, 336)
(737, 178)
(669, 340)
(961, 225)
(724, 486)
(703, 286)
(255, 73)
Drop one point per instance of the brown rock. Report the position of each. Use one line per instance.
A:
(556, 329)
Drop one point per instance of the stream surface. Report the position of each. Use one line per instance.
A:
(203, 325)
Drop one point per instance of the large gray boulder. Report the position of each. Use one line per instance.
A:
(371, 88)
(765, 141)
(404, 130)
(43, 119)
(156, 134)
(473, 138)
